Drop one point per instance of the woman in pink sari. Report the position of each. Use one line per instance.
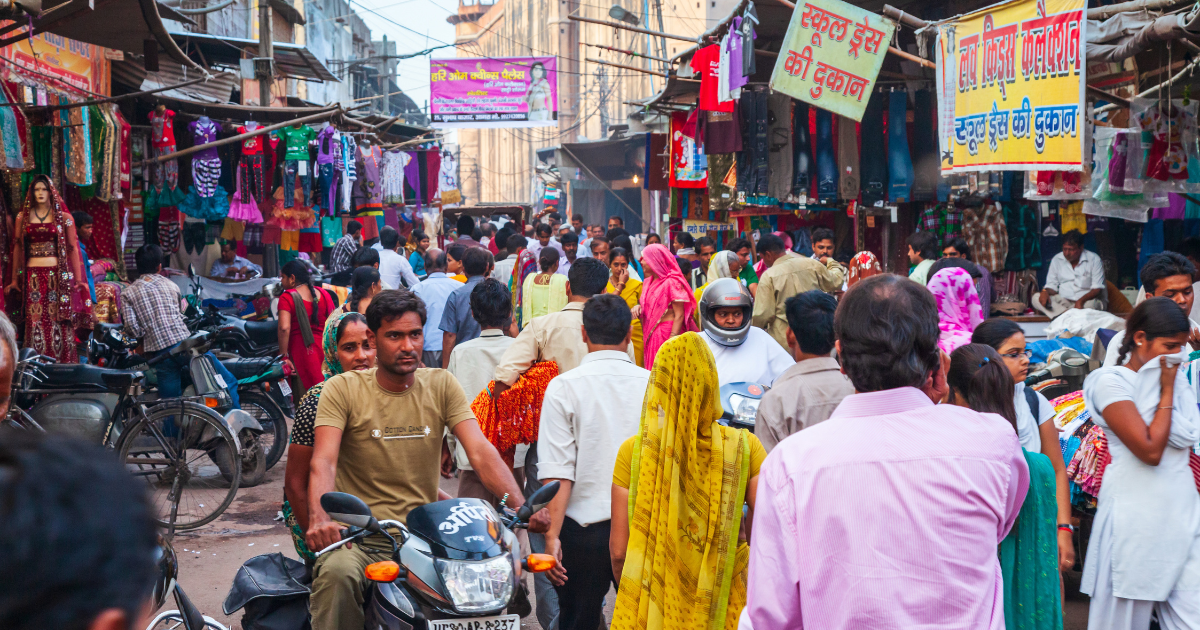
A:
(959, 310)
(667, 308)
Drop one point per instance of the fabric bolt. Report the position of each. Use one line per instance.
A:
(801, 150)
(779, 144)
(684, 566)
(983, 228)
(805, 395)
(900, 167)
(827, 170)
(867, 488)
(926, 163)
(959, 310)
(847, 159)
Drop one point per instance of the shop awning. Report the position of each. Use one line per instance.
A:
(608, 160)
(292, 60)
(124, 25)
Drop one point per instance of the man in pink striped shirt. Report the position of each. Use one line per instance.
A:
(888, 514)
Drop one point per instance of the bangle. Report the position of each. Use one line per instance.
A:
(504, 501)
(1066, 527)
(1167, 407)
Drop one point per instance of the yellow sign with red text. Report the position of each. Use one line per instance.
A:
(61, 63)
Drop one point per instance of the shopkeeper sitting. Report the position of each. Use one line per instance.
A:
(233, 267)
(1075, 279)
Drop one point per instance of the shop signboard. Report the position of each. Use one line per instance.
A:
(494, 92)
(1010, 82)
(702, 228)
(61, 63)
(831, 56)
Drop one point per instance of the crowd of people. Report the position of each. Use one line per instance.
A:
(899, 474)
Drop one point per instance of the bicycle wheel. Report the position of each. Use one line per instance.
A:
(172, 449)
(274, 437)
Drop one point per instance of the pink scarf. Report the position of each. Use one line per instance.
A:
(959, 310)
(663, 286)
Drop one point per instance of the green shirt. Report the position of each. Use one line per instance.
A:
(747, 275)
(296, 140)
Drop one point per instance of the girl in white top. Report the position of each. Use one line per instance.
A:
(1144, 553)
(1035, 431)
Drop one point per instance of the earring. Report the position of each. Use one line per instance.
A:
(1139, 343)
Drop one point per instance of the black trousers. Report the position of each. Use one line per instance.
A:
(589, 574)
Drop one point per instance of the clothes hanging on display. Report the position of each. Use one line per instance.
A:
(753, 177)
(162, 142)
(295, 162)
(77, 144)
(983, 228)
(349, 168)
(206, 165)
(779, 144)
(367, 195)
(412, 177)
(926, 165)
(944, 221)
(900, 168)
(250, 170)
(391, 176)
(801, 150)
(827, 172)
(847, 158)
(706, 64)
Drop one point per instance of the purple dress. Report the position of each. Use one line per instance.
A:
(206, 164)
(367, 193)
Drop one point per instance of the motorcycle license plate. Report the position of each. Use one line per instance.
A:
(503, 622)
(285, 388)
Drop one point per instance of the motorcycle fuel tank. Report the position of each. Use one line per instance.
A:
(458, 529)
(85, 416)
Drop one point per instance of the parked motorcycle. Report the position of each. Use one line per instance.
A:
(238, 336)
(179, 446)
(186, 615)
(264, 393)
(739, 404)
(451, 568)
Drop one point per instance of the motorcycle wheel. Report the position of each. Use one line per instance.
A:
(274, 438)
(169, 448)
(253, 461)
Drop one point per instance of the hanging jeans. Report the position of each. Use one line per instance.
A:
(329, 179)
(873, 160)
(926, 165)
(754, 170)
(801, 150)
(251, 174)
(292, 169)
(900, 168)
(827, 174)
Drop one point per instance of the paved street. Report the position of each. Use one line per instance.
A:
(209, 557)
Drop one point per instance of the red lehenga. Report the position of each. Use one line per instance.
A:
(55, 303)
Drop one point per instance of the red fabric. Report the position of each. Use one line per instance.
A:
(433, 166)
(705, 63)
(104, 241)
(250, 146)
(681, 146)
(307, 359)
(168, 130)
(310, 242)
(492, 247)
(1194, 462)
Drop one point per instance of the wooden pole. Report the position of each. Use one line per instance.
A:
(906, 19)
(417, 140)
(625, 67)
(114, 99)
(913, 58)
(628, 52)
(257, 132)
(635, 29)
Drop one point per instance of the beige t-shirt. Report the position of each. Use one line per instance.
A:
(391, 443)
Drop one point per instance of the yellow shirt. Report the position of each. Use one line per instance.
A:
(631, 295)
(460, 277)
(391, 443)
(539, 299)
(624, 466)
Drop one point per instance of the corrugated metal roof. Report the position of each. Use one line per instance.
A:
(132, 75)
(292, 60)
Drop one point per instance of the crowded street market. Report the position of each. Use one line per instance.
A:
(761, 315)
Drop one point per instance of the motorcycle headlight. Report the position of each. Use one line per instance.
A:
(744, 409)
(478, 586)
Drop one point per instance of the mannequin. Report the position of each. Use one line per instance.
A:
(250, 170)
(162, 142)
(47, 274)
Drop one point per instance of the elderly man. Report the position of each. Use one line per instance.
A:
(856, 518)
(1075, 279)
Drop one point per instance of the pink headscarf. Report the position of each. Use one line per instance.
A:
(664, 285)
(959, 310)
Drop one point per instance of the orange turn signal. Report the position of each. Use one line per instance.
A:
(540, 562)
(386, 571)
(211, 402)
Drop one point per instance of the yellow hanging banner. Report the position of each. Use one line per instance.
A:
(1011, 84)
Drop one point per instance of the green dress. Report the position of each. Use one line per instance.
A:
(1029, 555)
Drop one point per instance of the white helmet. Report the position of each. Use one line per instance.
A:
(722, 293)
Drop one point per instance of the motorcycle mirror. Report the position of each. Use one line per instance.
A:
(349, 509)
(537, 501)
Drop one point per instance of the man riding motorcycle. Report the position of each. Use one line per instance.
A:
(743, 352)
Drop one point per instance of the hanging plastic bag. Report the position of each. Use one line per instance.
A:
(1168, 135)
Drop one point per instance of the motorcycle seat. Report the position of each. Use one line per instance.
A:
(263, 333)
(71, 376)
(245, 367)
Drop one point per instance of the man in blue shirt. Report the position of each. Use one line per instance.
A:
(435, 291)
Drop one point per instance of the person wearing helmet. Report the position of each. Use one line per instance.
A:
(743, 352)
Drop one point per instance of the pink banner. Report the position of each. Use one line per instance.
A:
(494, 92)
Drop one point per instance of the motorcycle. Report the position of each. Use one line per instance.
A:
(264, 393)
(238, 336)
(451, 568)
(186, 615)
(739, 404)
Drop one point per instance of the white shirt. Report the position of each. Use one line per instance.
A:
(585, 248)
(1073, 282)
(586, 414)
(435, 291)
(504, 268)
(535, 247)
(1028, 427)
(1114, 348)
(564, 265)
(393, 267)
(472, 363)
(760, 359)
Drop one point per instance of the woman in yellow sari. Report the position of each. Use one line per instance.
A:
(677, 496)
(629, 289)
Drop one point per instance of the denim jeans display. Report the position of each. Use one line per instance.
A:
(801, 150)
(754, 169)
(900, 168)
(873, 168)
(827, 171)
(291, 169)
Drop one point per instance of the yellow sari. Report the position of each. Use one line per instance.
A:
(684, 568)
(633, 291)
